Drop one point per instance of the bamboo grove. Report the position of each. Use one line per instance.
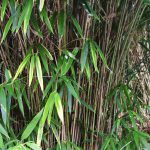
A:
(74, 74)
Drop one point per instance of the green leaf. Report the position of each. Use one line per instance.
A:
(19, 97)
(3, 104)
(1, 141)
(3, 131)
(61, 23)
(47, 21)
(78, 27)
(67, 65)
(23, 15)
(93, 54)
(55, 133)
(28, 14)
(101, 55)
(31, 71)
(41, 5)
(36, 26)
(31, 126)
(7, 28)
(71, 89)
(44, 61)
(49, 85)
(3, 9)
(84, 54)
(88, 71)
(47, 111)
(44, 50)
(21, 66)
(33, 146)
(59, 107)
(39, 71)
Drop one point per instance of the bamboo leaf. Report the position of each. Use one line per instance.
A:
(67, 65)
(47, 21)
(31, 71)
(3, 9)
(28, 14)
(19, 97)
(61, 23)
(41, 5)
(78, 27)
(21, 66)
(101, 55)
(44, 61)
(1, 141)
(33, 146)
(23, 15)
(44, 50)
(47, 111)
(59, 107)
(36, 26)
(3, 131)
(31, 126)
(93, 54)
(7, 28)
(71, 89)
(88, 71)
(39, 71)
(3, 104)
(84, 54)
(55, 133)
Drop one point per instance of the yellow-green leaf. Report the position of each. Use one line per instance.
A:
(7, 28)
(31, 71)
(28, 14)
(31, 126)
(39, 71)
(21, 66)
(3, 9)
(41, 5)
(59, 107)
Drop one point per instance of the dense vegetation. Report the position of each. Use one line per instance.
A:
(74, 74)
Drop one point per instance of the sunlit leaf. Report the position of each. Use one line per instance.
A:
(59, 107)
(3, 104)
(31, 71)
(39, 71)
(21, 66)
(3, 8)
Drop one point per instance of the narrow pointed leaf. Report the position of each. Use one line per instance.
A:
(28, 14)
(41, 5)
(93, 54)
(7, 28)
(3, 9)
(21, 66)
(84, 54)
(78, 27)
(31, 71)
(3, 104)
(3, 131)
(31, 126)
(39, 71)
(59, 107)
(61, 23)
(44, 50)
